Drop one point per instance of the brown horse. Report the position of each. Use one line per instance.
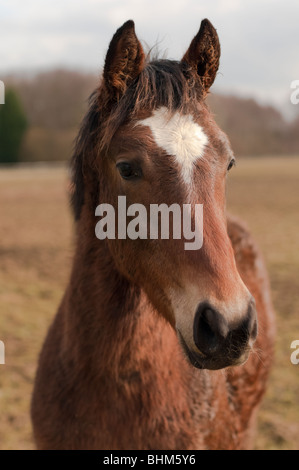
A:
(133, 357)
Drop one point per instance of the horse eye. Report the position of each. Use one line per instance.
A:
(127, 171)
(231, 164)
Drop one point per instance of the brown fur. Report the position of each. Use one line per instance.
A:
(112, 373)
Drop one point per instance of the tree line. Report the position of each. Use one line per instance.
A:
(42, 114)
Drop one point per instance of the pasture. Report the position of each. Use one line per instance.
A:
(36, 233)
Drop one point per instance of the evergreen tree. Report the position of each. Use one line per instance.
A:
(13, 124)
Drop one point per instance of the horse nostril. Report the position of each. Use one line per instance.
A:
(254, 331)
(210, 329)
(251, 322)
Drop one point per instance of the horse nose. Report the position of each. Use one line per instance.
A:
(210, 329)
(213, 334)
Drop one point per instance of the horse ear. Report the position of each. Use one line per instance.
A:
(204, 53)
(124, 60)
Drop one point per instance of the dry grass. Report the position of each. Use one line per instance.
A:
(36, 252)
(265, 193)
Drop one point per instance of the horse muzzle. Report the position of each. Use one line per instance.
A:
(218, 344)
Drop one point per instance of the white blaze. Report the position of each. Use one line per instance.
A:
(179, 136)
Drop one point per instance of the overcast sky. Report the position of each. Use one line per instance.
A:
(259, 38)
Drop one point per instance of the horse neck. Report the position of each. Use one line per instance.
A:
(109, 322)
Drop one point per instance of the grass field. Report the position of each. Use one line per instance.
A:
(35, 257)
